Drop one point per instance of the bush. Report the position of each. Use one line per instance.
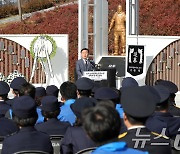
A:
(34, 5)
(8, 10)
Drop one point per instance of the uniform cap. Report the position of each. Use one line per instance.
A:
(139, 102)
(40, 92)
(52, 90)
(80, 104)
(4, 88)
(105, 93)
(128, 82)
(169, 85)
(163, 92)
(17, 83)
(24, 107)
(84, 84)
(50, 103)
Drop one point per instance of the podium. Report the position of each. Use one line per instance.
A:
(105, 77)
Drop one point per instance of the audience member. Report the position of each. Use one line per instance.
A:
(4, 90)
(102, 124)
(139, 103)
(52, 90)
(68, 91)
(39, 94)
(7, 127)
(28, 138)
(162, 119)
(75, 138)
(50, 111)
(173, 109)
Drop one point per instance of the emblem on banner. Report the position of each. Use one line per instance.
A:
(135, 59)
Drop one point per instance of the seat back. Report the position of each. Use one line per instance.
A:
(86, 151)
(31, 152)
(56, 142)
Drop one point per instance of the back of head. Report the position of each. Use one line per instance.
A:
(24, 111)
(102, 123)
(107, 93)
(39, 94)
(17, 83)
(68, 90)
(128, 82)
(52, 90)
(4, 90)
(50, 107)
(164, 97)
(27, 89)
(139, 102)
(84, 86)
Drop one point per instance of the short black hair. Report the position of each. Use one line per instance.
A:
(68, 90)
(102, 123)
(163, 105)
(84, 49)
(51, 114)
(25, 122)
(4, 97)
(135, 120)
(86, 93)
(27, 89)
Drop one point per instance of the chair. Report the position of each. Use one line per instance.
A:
(31, 152)
(56, 142)
(86, 151)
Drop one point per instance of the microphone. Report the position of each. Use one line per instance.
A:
(92, 62)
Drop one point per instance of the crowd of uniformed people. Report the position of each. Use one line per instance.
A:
(88, 115)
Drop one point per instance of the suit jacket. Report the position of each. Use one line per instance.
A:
(151, 141)
(75, 139)
(28, 138)
(53, 127)
(158, 120)
(81, 67)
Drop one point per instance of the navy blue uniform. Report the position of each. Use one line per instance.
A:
(4, 107)
(174, 110)
(7, 127)
(75, 139)
(160, 120)
(53, 127)
(28, 138)
(150, 141)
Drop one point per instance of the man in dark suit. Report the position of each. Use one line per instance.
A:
(28, 138)
(138, 104)
(84, 64)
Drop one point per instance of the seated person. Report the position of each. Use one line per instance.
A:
(52, 90)
(75, 138)
(50, 111)
(68, 91)
(28, 138)
(161, 119)
(173, 89)
(39, 94)
(102, 124)
(139, 103)
(7, 127)
(4, 90)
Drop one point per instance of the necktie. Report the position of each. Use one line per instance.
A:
(86, 65)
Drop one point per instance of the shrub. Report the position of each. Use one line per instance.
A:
(8, 10)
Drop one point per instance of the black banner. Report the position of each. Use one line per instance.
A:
(135, 59)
